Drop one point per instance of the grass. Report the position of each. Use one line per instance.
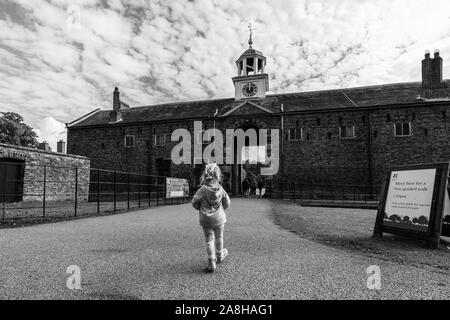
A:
(352, 229)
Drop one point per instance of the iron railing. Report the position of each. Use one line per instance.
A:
(46, 192)
(344, 193)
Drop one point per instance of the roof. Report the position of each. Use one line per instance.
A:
(251, 52)
(35, 150)
(371, 96)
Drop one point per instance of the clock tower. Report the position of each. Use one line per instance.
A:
(251, 81)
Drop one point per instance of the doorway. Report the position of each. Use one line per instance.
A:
(11, 179)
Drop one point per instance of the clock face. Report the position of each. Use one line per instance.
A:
(249, 89)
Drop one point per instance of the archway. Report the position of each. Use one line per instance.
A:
(237, 172)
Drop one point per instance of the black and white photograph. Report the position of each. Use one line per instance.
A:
(224, 156)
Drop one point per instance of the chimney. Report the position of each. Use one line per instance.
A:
(432, 79)
(436, 68)
(117, 113)
(61, 146)
(116, 99)
(44, 146)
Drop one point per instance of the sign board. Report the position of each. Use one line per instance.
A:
(415, 202)
(446, 219)
(177, 188)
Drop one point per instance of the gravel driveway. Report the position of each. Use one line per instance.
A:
(159, 254)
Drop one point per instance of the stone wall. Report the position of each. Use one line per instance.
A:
(59, 171)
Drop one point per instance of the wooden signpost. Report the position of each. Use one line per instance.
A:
(416, 202)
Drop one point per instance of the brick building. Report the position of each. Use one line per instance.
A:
(343, 136)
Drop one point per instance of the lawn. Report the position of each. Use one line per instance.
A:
(352, 229)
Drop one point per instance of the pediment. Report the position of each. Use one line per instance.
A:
(247, 108)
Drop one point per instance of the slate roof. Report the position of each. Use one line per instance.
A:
(372, 96)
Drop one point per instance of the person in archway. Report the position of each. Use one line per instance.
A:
(260, 187)
(252, 185)
(245, 187)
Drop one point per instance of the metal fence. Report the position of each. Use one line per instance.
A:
(46, 192)
(343, 193)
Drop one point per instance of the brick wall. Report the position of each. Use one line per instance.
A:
(320, 157)
(59, 172)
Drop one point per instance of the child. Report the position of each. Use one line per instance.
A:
(211, 200)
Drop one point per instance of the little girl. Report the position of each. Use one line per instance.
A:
(211, 200)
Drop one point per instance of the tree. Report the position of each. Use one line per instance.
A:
(406, 219)
(395, 218)
(14, 131)
(422, 220)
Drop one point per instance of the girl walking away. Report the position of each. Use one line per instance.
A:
(211, 200)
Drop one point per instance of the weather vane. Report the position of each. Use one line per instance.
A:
(250, 41)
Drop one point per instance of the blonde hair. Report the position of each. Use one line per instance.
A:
(212, 173)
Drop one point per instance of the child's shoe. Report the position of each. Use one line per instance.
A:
(211, 265)
(222, 255)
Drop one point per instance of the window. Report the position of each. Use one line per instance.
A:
(129, 141)
(296, 134)
(160, 139)
(402, 129)
(347, 132)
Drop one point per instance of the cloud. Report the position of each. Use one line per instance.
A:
(159, 51)
(51, 130)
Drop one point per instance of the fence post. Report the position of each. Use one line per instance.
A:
(139, 190)
(149, 190)
(157, 196)
(114, 183)
(270, 189)
(76, 190)
(43, 198)
(282, 190)
(128, 191)
(98, 191)
(293, 189)
(164, 192)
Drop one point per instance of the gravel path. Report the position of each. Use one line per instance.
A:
(159, 254)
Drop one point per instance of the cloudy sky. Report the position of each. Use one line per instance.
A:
(61, 59)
